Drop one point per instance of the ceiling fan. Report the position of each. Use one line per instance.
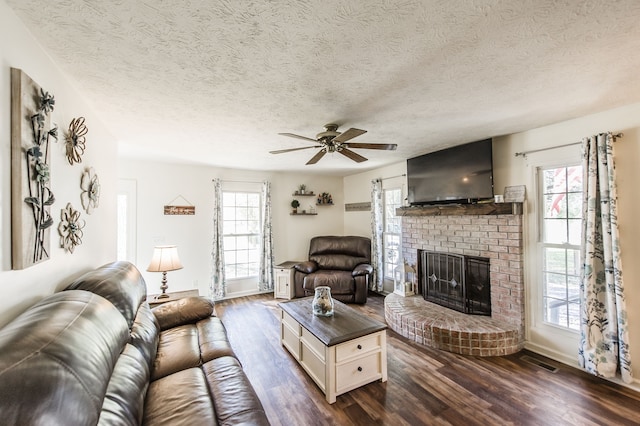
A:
(333, 141)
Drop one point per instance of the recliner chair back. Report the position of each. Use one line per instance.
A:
(338, 252)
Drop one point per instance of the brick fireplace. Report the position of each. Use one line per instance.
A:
(490, 231)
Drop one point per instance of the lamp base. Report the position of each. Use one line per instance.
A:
(163, 287)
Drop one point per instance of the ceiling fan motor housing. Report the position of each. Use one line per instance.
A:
(331, 131)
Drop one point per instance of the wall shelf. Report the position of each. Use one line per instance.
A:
(303, 214)
(306, 194)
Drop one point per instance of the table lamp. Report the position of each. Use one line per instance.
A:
(164, 259)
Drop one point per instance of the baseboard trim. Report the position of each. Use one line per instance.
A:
(573, 362)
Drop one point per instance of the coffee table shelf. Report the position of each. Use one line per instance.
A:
(341, 352)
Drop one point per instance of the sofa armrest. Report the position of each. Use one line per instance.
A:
(362, 269)
(306, 267)
(183, 311)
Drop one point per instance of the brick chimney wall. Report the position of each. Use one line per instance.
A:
(497, 237)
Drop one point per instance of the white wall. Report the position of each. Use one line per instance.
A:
(357, 189)
(158, 184)
(21, 289)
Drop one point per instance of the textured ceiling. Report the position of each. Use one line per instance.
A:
(214, 82)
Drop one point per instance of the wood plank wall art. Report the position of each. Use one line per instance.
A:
(357, 207)
(31, 195)
(185, 208)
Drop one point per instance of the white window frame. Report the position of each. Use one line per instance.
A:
(387, 235)
(226, 235)
(569, 249)
(541, 337)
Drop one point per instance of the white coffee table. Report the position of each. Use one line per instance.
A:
(341, 352)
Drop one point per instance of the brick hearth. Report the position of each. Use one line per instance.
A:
(443, 328)
(497, 237)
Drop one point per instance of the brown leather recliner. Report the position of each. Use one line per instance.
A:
(340, 262)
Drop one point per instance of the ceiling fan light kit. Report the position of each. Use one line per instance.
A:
(331, 140)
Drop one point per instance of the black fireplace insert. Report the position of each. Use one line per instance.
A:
(455, 281)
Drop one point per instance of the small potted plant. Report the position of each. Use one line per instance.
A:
(295, 204)
(302, 188)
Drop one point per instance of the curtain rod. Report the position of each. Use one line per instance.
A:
(237, 181)
(393, 177)
(524, 153)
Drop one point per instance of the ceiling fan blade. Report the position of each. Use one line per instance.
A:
(317, 157)
(280, 151)
(291, 135)
(349, 134)
(355, 157)
(385, 146)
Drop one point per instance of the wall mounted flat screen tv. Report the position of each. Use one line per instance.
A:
(461, 174)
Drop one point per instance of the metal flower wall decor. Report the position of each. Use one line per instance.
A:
(31, 107)
(90, 185)
(75, 140)
(70, 228)
(40, 194)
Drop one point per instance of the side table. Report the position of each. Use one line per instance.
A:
(172, 296)
(284, 280)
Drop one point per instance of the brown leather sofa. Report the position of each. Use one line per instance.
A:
(96, 353)
(340, 262)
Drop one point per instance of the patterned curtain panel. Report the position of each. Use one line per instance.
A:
(377, 209)
(218, 283)
(266, 280)
(604, 341)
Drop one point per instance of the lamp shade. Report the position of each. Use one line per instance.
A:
(165, 258)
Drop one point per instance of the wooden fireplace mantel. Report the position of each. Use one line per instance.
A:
(461, 209)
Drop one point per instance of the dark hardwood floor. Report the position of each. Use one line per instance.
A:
(425, 386)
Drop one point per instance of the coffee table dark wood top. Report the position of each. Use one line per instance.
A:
(345, 324)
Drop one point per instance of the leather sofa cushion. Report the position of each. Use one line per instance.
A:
(235, 399)
(57, 358)
(178, 349)
(181, 398)
(213, 339)
(183, 311)
(190, 345)
(338, 261)
(124, 402)
(341, 282)
(119, 282)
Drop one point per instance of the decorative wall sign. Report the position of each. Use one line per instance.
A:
(31, 196)
(357, 207)
(514, 194)
(172, 209)
(70, 228)
(75, 140)
(90, 185)
(179, 210)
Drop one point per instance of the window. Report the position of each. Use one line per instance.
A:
(561, 232)
(241, 233)
(392, 232)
